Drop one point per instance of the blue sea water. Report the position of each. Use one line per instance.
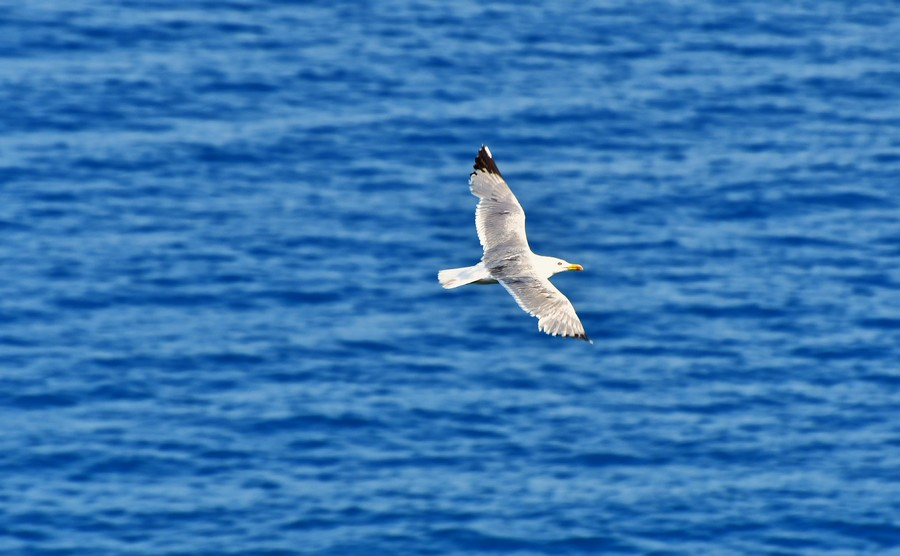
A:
(221, 330)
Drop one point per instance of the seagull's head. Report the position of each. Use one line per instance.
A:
(552, 265)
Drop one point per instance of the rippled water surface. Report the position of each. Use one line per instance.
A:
(221, 330)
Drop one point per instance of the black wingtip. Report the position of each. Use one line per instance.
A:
(485, 162)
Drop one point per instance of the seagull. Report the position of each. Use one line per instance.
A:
(507, 259)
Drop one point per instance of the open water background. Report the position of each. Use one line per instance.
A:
(221, 330)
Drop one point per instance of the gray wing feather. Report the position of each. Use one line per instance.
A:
(539, 298)
(499, 217)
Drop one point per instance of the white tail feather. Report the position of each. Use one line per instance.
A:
(456, 277)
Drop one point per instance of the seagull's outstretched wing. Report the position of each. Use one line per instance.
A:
(540, 298)
(499, 218)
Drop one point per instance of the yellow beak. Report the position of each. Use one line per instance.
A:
(575, 267)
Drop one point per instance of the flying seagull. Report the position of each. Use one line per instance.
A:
(507, 259)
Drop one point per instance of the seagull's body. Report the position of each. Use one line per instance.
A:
(507, 259)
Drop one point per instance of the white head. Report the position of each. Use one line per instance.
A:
(549, 266)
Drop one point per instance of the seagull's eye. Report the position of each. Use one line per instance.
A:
(558, 264)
